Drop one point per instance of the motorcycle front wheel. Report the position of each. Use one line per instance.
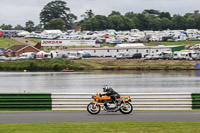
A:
(126, 109)
(93, 109)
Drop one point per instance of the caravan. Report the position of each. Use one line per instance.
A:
(185, 55)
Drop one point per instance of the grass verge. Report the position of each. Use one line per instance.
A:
(6, 42)
(112, 127)
(38, 65)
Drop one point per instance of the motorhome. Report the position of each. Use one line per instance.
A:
(197, 56)
(166, 55)
(184, 55)
(176, 55)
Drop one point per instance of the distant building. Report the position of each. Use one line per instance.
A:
(113, 51)
(17, 50)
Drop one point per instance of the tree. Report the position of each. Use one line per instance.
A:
(156, 24)
(29, 26)
(130, 15)
(6, 27)
(190, 22)
(18, 27)
(90, 24)
(116, 22)
(57, 23)
(165, 24)
(38, 27)
(114, 13)
(102, 22)
(88, 14)
(165, 15)
(143, 21)
(152, 11)
(178, 22)
(57, 9)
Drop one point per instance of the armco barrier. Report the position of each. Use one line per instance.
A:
(25, 101)
(140, 101)
(69, 101)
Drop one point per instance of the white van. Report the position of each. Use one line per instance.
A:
(74, 55)
(27, 56)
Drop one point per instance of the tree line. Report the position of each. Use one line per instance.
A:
(56, 15)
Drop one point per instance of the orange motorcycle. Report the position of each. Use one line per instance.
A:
(106, 103)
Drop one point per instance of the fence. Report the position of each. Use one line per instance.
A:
(69, 101)
(140, 101)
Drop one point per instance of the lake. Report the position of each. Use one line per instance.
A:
(91, 82)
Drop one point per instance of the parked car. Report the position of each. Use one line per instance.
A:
(122, 55)
(148, 57)
(61, 56)
(136, 56)
(27, 56)
(86, 55)
(157, 56)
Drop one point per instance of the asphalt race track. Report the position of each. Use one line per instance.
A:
(60, 117)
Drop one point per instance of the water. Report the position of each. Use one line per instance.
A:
(91, 82)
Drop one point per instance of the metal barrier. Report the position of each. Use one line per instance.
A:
(79, 101)
(25, 101)
(195, 101)
(140, 101)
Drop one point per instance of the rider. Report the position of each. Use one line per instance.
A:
(108, 91)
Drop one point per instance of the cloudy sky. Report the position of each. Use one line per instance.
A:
(20, 11)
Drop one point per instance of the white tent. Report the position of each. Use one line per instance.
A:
(23, 33)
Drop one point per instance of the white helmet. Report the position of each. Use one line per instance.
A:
(105, 88)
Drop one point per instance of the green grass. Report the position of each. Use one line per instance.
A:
(109, 45)
(6, 42)
(180, 43)
(150, 44)
(108, 127)
(89, 63)
(35, 40)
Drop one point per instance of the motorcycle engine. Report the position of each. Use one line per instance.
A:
(111, 106)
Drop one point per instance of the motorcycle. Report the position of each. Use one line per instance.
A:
(107, 104)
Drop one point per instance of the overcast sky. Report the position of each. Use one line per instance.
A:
(20, 11)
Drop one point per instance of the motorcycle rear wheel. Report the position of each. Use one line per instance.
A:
(126, 109)
(92, 109)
